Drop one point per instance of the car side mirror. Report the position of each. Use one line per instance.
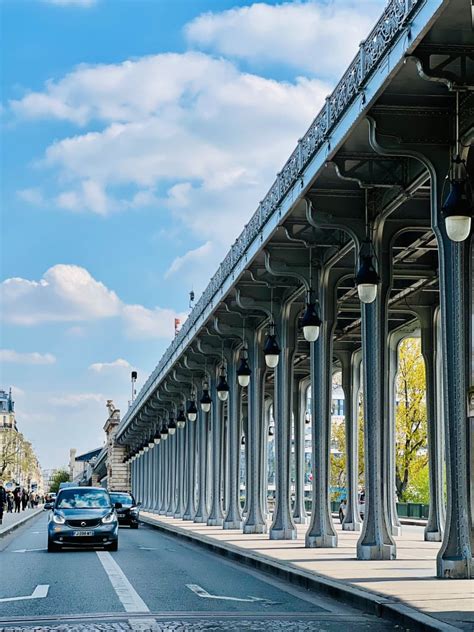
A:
(118, 505)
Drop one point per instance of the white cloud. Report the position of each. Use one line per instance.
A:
(191, 257)
(68, 293)
(65, 293)
(9, 355)
(31, 195)
(141, 322)
(189, 124)
(100, 367)
(315, 37)
(77, 399)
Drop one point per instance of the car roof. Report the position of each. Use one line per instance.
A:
(83, 488)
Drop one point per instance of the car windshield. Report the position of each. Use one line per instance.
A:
(124, 499)
(82, 499)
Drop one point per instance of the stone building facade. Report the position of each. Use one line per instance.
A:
(118, 473)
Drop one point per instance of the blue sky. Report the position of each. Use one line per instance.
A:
(137, 138)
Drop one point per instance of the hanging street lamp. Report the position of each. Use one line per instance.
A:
(222, 387)
(243, 371)
(310, 322)
(171, 425)
(164, 432)
(367, 279)
(271, 348)
(191, 411)
(181, 418)
(205, 400)
(157, 437)
(457, 209)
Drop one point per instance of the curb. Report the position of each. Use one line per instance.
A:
(372, 603)
(6, 530)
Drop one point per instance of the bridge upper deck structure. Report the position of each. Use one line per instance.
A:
(368, 179)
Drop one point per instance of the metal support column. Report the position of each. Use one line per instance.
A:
(255, 522)
(190, 501)
(233, 517)
(283, 527)
(299, 407)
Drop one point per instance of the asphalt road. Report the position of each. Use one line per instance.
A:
(153, 582)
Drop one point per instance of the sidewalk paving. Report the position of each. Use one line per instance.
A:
(406, 588)
(13, 520)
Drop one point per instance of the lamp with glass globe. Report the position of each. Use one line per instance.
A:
(164, 432)
(205, 400)
(157, 437)
(171, 424)
(310, 321)
(243, 371)
(367, 279)
(457, 209)
(191, 410)
(181, 418)
(222, 387)
(271, 348)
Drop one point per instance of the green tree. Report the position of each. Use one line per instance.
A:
(411, 422)
(59, 476)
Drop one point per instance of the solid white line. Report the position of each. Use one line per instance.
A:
(39, 592)
(131, 600)
(27, 550)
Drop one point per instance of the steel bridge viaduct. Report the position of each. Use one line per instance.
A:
(364, 190)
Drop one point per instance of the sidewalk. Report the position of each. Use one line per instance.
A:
(13, 520)
(405, 589)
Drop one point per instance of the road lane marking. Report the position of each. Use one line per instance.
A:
(130, 599)
(39, 592)
(200, 592)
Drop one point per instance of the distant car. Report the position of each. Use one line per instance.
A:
(83, 516)
(343, 506)
(128, 511)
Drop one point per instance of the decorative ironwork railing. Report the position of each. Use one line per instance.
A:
(370, 52)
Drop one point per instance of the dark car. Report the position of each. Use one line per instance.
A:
(83, 516)
(127, 508)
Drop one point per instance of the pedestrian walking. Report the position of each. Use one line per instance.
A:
(3, 500)
(9, 502)
(24, 499)
(17, 499)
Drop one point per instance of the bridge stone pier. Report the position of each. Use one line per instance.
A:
(364, 238)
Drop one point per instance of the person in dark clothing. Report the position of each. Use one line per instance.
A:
(3, 500)
(9, 502)
(17, 499)
(24, 499)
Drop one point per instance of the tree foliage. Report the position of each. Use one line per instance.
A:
(59, 476)
(16, 453)
(411, 420)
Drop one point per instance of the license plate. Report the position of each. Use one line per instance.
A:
(82, 533)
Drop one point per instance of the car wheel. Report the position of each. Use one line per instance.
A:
(134, 525)
(113, 546)
(52, 547)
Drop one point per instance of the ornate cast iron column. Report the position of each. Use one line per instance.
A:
(171, 508)
(283, 527)
(216, 514)
(390, 449)
(350, 364)
(375, 542)
(321, 532)
(434, 527)
(190, 501)
(300, 387)
(201, 514)
(164, 498)
(255, 522)
(233, 517)
(180, 473)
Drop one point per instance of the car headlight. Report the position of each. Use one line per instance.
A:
(109, 518)
(58, 519)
